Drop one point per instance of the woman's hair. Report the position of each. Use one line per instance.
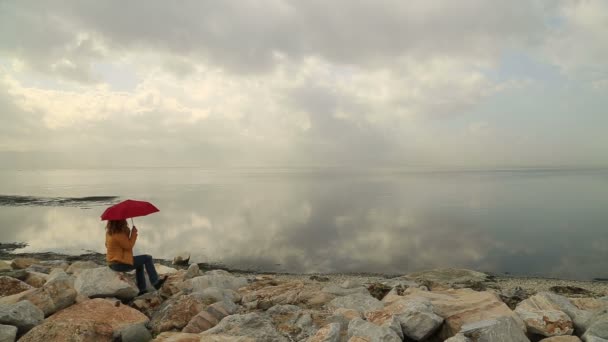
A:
(117, 226)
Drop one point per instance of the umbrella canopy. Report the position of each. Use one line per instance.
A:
(128, 209)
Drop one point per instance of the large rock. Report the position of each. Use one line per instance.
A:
(10, 286)
(561, 339)
(463, 306)
(163, 270)
(171, 336)
(292, 321)
(329, 333)
(78, 266)
(23, 263)
(5, 266)
(581, 318)
(358, 301)
(503, 329)
(543, 317)
(214, 294)
(267, 293)
(449, 278)
(8, 333)
(345, 291)
(36, 279)
(371, 332)
(192, 272)
(174, 284)
(222, 281)
(210, 317)
(56, 294)
(415, 317)
(148, 303)
(93, 320)
(103, 282)
(24, 315)
(176, 312)
(597, 329)
(253, 325)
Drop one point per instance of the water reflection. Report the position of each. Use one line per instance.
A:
(390, 223)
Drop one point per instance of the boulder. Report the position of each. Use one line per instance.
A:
(458, 338)
(39, 269)
(463, 306)
(214, 294)
(103, 282)
(504, 329)
(341, 291)
(10, 286)
(561, 339)
(170, 336)
(132, 333)
(543, 317)
(193, 271)
(253, 325)
(222, 281)
(597, 329)
(443, 278)
(23, 263)
(8, 333)
(78, 266)
(293, 321)
(147, 303)
(36, 279)
(24, 315)
(5, 266)
(415, 317)
(329, 333)
(267, 293)
(210, 317)
(162, 269)
(371, 332)
(93, 320)
(176, 312)
(174, 284)
(358, 301)
(181, 259)
(17, 274)
(56, 294)
(581, 318)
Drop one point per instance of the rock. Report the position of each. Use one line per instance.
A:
(318, 278)
(581, 319)
(39, 269)
(24, 315)
(463, 306)
(378, 290)
(415, 317)
(267, 293)
(253, 325)
(181, 259)
(597, 329)
(176, 312)
(458, 338)
(348, 313)
(595, 339)
(543, 317)
(504, 329)
(8, 333)
(341, 291)
(17, 274)
(227, 338)
(329, 333)
(23, 263)
(366, 330)
(36, 279)
(78, 266)
(103, 282)
(513, 296)
(192, 272)
(351, 284)
(10, 286)
(62, 264)
(5, 266)
(210, 317)
(162, 269)
(214, 294)
(292, 321)
(571, 291)
(170, 336)
(93, 320)
(442, 278)
(56, 294)
(133, 333)
(357, 301)
(174, 284)
(561, 339)
(147, 303)
(197, 284)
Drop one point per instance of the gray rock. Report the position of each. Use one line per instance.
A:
(24, 315)
(78, 266)
(581, 319)
(458, 338)
(503, 329)
(17, 274)
(253, 325)
(329, 333)
(358, 301)
(360, 328)
(193, 271)
(103, 282)
(213, 294)
(542, 318)
(597, 329)
(4, 266)
(222, 281)
(133, 333)
(351, 284)
(341, 291)
(594, 339)
(176, 312)
(39, 268)
(419, 321)
(283, 309)
(8, 333)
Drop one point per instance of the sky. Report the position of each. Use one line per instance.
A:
(387, 83)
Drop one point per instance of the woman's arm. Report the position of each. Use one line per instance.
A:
(124, 241)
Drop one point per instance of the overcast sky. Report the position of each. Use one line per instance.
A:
(471, 83)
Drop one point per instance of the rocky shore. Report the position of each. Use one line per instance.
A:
(63, 299)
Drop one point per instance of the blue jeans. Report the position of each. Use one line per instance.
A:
(139, 262)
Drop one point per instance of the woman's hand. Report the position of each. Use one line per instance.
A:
(134, 230)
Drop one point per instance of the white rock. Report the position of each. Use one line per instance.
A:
(8, 333)
(103, 282)
(358, 301)
(503, 329)
(360, 328)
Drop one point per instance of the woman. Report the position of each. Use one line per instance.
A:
(119, 244)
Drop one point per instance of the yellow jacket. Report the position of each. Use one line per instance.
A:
(120, 248)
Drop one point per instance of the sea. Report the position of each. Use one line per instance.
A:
(522, 222)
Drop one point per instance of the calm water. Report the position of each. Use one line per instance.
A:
(546, 223)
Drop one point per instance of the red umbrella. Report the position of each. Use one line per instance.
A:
(128, 209)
